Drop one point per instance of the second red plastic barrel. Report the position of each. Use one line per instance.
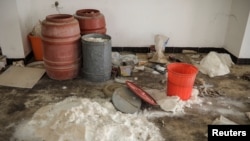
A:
(91, 21)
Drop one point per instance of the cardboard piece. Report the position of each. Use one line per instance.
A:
(21, 77)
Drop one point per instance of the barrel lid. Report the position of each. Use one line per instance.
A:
(125, 100)
(141, 93)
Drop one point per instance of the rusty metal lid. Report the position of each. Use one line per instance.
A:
(125, 100)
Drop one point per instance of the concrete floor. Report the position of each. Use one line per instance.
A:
(233, 102)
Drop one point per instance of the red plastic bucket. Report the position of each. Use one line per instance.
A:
(180, 79)
(37, 47)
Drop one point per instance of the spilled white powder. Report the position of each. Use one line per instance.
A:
(173, 104)
(79, 119)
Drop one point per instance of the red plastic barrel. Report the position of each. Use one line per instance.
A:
(61, 46)
(180, 79)
(91, 21)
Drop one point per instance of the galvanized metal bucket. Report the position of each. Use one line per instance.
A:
(96, 52)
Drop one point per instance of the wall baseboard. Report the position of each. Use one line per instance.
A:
(132, 49)
(25, 60)
(236, 60)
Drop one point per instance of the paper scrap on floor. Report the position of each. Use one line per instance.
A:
(223, 121)
(21, 77)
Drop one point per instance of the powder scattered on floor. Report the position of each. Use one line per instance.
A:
(78, 119)
(173, 104)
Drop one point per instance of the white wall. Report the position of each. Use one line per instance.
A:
(237, 26)
(25, 18)
(14, 26)
(10, 31)
(134, 23)
(245, 47)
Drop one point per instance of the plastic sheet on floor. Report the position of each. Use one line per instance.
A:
(216, 64)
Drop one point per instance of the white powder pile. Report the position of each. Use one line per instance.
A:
(78, 119)
(92, 39)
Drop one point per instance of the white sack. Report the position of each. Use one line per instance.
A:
(215, 64)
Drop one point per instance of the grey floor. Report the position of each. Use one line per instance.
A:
(229, 97)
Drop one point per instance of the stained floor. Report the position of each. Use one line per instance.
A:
(229, 96)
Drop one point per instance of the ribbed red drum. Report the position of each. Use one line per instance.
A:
(91, 21)
(61, 46)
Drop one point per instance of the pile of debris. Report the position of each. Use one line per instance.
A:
(246, 76)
